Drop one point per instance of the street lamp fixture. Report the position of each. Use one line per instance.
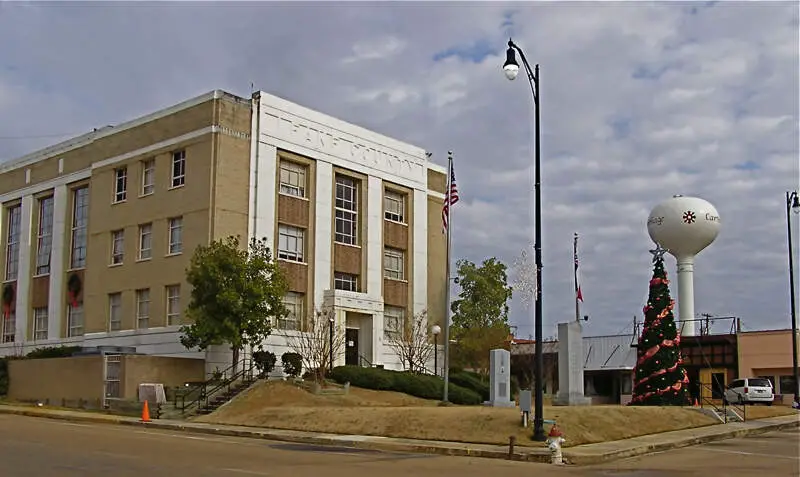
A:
(511, 70)
(436, 329)
(793, 203)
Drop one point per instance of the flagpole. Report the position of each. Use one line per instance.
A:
(446, 372)
(575, 255)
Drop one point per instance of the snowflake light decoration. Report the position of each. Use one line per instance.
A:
(524, 280)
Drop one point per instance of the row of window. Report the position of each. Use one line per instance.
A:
(292, 246)
(75, 320)
(142, 311)
(144, 250)
(44, 238)
(293, 181)
(44, 242)
(41, 323)
(394, 317)
(148, 177)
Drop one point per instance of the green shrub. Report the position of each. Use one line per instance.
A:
(418, 385)
(264, 361)
(473, 382)
(292, 364)
(53, 352)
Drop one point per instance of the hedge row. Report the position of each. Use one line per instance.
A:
(419, 385)
(472, 381)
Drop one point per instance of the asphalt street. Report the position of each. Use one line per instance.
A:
(37, 447)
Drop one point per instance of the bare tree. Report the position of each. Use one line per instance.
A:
(314, 343)
(411, 343)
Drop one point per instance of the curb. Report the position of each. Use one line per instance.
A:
(390, 445)
(581, 459)
(574, 456)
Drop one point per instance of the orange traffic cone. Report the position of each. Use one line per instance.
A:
(145, 412)
(696, 404)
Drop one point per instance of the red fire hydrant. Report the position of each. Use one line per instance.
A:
(554, 441)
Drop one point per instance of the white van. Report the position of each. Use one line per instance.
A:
(750, 391)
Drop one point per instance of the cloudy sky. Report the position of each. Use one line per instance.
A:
(639, 102)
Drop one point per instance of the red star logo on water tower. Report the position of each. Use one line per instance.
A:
(689, 217)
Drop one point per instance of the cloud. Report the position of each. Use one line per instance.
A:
(639, 102)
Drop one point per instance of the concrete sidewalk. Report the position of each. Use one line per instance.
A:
(579, 455)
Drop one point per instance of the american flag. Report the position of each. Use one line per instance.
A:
(578, 294)
(450, 198)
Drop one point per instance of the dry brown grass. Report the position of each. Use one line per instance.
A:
(762, 412)
(284, 406)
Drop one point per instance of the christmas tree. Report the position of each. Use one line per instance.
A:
(659, 377)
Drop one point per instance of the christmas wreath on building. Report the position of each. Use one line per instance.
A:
(8, 299)
(74, 287)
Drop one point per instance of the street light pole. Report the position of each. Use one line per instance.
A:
(792, 202)
(511, 69)
(330, 341)
(436, 329)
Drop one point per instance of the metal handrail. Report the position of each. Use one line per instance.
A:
(211, 387)
(725, 404)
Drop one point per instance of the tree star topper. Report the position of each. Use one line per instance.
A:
(658, 253)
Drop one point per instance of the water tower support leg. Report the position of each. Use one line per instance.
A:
(686, 295)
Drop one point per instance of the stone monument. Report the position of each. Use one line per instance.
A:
(570, 366)
(500, 379)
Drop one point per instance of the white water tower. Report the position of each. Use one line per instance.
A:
(684, 226)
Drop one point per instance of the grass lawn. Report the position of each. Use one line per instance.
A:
(281, 405)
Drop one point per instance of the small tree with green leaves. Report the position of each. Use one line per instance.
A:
(236, 295)
(480, 314)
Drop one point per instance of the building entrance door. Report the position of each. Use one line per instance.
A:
(351, 347)
(713, 382)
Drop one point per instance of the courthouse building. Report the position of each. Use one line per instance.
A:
(97, 231)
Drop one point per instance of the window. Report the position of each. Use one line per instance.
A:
(178, 168)
(393, 263)
(294, 303)
(114, 311)
(290, 243)
(143, 308)
(771, 380)
(9, 326)
(145, 241)
(120, 184)
(759, 383)
(148, 176)
(12, 242)
(173, 305)
(117, 246)
(345, 281)
(44, 242)
(394, 207)
(80, 219)
(393, 322)
(293, 179)
(75, 320)
(787, 384)
(346, 210)
(175, 235)
(40, 324)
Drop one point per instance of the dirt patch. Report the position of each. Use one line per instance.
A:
(364, 412)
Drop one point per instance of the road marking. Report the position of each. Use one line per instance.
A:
(244, 471)
(756, 454)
